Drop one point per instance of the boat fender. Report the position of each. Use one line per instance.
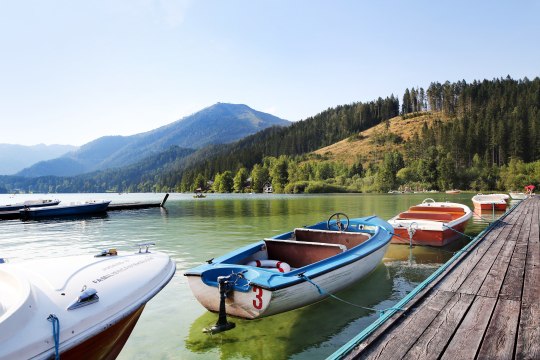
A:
(271, 264)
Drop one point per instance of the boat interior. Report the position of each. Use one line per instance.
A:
(307, 246)
(434, 213)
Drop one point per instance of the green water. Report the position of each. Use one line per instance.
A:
(194, 230)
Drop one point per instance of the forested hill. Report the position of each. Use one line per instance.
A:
(480, 136)
(299, 138)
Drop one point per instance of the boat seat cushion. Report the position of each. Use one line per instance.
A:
(424, 215)
(301, 253)
(348, 239)
(444, 209)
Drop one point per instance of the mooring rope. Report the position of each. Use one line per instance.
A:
(56, 334)
(482, 218)
(459, 232)
(324, 292)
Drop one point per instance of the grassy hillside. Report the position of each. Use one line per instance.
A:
(371, 145)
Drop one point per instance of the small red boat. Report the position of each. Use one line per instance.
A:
(490, 202)
(430, 223)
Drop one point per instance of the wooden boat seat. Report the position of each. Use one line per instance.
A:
(424, 215)
(449, 209)
(348, 239)
(301, 253)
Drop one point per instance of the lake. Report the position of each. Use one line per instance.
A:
(192, 231)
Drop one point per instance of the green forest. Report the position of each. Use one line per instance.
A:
(490, 142)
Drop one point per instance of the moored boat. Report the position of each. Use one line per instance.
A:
(517, 195)
(430, 223)
(293, 269)
(68, 209)
(29, 203)
(492, 202)
(453, 191)
(76, 307)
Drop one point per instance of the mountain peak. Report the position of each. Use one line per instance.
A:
(217, 124)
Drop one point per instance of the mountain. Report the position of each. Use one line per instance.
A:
(218, 124)
(14, 158)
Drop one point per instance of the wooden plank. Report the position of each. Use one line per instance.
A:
(513, 282)
(528, 340)
(468, 337)
(495, 277)
(395, 343)
(437, 335)
(473, 283)
(454, 280)
(499, 339)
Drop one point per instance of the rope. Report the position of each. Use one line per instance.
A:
(396, 235)
(459, 232)
(324, 292)
(56, 334)
(481, 218)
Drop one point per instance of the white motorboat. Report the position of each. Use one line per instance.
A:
(29, 203)
(81, 307)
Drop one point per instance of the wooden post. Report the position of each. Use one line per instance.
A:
(164, 200)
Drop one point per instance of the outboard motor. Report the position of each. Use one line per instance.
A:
(225, 286)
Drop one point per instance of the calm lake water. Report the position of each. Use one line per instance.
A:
(192, 231)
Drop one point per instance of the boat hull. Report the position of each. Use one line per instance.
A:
(259, 302)
(107, 344)
(490, 206)
(428, 237)
(65, 210)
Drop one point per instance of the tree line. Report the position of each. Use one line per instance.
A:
(492, 141)
(495, 126)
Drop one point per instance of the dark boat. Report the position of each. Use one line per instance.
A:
(71, 209)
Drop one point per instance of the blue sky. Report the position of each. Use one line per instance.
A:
(72, 71)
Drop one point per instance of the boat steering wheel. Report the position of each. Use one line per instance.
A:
(341, 226)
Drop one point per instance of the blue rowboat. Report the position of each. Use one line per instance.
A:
(291, 270)
(68, 209)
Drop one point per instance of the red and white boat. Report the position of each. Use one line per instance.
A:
(76, 307)
(430, 223)
(490, 202)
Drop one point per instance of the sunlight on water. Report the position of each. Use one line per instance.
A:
(192, 231)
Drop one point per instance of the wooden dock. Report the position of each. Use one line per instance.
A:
(9, 215)
(137, 205)
(485, 305)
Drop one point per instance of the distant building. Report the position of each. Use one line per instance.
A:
(268, 189)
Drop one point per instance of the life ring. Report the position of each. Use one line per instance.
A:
(271, 264)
